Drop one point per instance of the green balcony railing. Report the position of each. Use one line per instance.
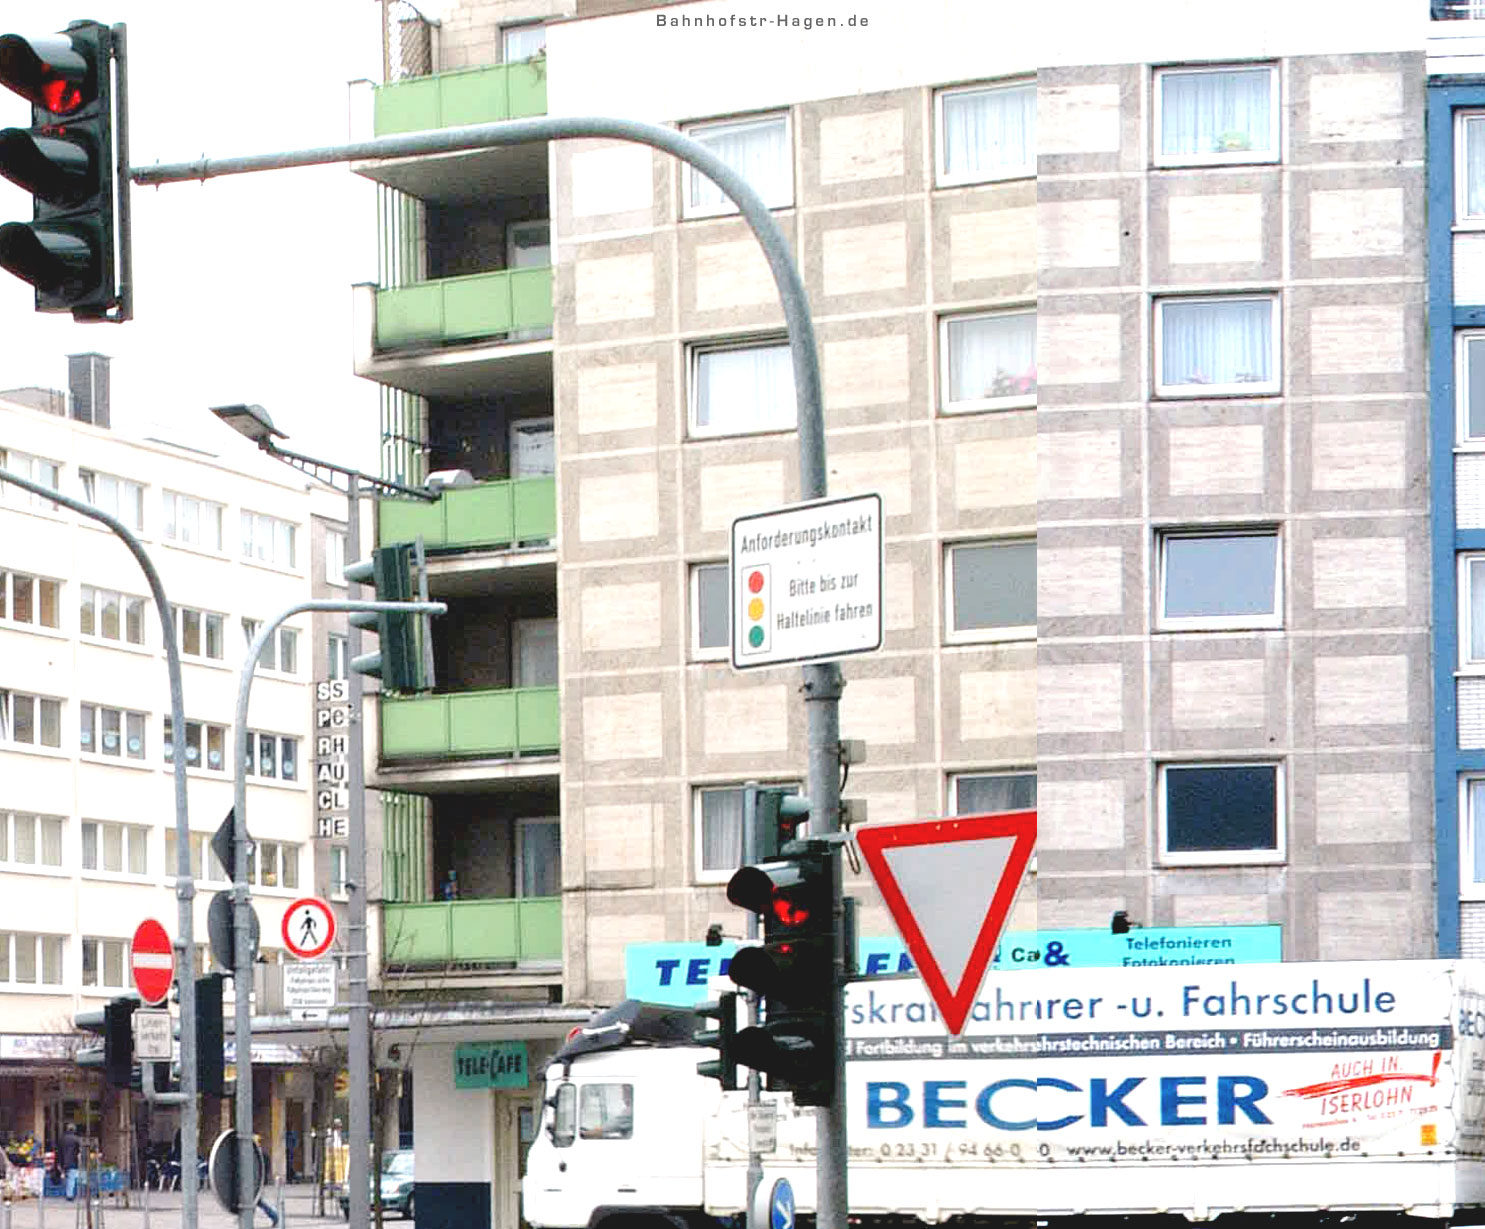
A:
(470, 96)
(455, 309)
(468, 724)
(518, 932)
(490, 515)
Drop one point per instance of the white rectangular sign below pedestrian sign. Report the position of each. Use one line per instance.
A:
(806, 582)
(152, 1034)
(309, 989)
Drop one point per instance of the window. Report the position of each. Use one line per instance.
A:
(987, 361)
(280, 651)
(564, 1115)
(719, 831)
(30, 840)
(1470, 364)
(335, 648)
(103, 962)
(337, 870)
(1211, 115)
(334, 557)
(709, 611)
(986, 133)
(120, 498)
(274, 865)
(110, 731)
(1220, 578)
(267, 539)
(522, 42)
(200, 633)
(757, 149)
(202, 855)
(38, 469)
(30, 959)
(986, 793)
(538, 857)
(1472, 612)
(1469, 172)
(1215, 813)
(30, 599)
(1206, 347)
(196, 522)
(116, 848)
(110, 615)
(739, 389)
(272, 756)
(206, 745)
(606, 1111)
(990, 590)
(26, 720)
(1472, 838)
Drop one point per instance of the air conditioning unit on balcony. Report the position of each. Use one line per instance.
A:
(441, 478)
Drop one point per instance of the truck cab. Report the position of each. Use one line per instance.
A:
(623, 1124)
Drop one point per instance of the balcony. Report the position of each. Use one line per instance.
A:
(455, 336)
(473, 936)
(466, 739)
(446, 100)
(490, 516)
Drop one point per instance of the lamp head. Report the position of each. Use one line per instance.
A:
(251, 422)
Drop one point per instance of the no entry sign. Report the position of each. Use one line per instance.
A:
(152, 962)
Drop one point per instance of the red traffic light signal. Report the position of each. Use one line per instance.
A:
(73, 160)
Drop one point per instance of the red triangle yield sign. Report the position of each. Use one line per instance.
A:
(949, 884)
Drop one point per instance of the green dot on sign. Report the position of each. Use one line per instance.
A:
(755, 636)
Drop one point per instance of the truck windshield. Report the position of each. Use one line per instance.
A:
(608, 1111)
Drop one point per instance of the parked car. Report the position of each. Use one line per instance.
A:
(397, 1185)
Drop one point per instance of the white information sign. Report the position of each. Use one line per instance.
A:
(309, 986)
(152, 1035)
(806, 582)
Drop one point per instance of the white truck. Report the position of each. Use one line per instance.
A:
(1200, 1090)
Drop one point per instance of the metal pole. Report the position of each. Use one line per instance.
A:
(185, 885)
(357, 985)
(752, 842)
(242, 910)
(822, 680)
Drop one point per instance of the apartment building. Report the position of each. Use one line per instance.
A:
(87, 815)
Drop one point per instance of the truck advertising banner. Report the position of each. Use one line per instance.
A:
(1210, 1063)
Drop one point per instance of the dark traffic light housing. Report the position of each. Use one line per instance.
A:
(723, 1039)
(73, 160)
(781, 809)
(211, 1063)
(400, 660)
(793, 972)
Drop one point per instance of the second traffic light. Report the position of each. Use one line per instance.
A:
(723, 1039)
(401, 659)
(118, 1041)
(73, 160)
(211, 1064)
(793, 972)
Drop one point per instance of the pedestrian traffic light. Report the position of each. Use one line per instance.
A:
(118, 1042)
(211, 1062)
(74, 162)
(792, 972)
(723, 1068)
(401, 660)
(779, 809)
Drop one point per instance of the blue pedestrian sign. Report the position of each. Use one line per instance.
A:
(781, 1205)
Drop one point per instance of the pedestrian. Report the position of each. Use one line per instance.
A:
(71, 1149)
(263, 1205)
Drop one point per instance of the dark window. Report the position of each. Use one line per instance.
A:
(1222, 808)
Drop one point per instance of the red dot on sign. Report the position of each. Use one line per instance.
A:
(755, 581)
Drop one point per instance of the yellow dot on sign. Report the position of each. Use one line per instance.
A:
(755, 608)
(1428, 1134)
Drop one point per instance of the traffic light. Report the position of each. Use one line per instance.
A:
(779, 810)
(74, 162)
(118, 1042)
(723, 1068)
(793, 972)
(401, 661)
(211, 1063)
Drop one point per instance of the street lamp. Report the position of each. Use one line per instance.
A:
(253, 423)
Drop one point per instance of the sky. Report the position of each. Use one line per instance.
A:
(242, 285)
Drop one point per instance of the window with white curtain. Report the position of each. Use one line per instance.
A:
(522, 42)
(719, 830)
(38, 469)
(987, 793)
(103, 963)
(110, 615)
(30, 959)
(1472, 613)
(196, 522)
(1472, 838)
(30, 840)
(538, 857)
(1214, 115)
(987, 360)
(334, 557)
(1469, 167)
(757, 149)
(1225, 345)
(986, 132)
(119, 849)
(1469, 367)
(268, 539)
(27, 720)
(280, 651)
(338, 874)
(741, 389)
(119, 497)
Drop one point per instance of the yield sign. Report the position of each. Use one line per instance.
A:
(152, 961)
(949, 884)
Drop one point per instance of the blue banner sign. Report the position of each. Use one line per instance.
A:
(677, 973)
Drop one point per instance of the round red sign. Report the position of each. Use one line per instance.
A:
(152, 962)
(308, 927)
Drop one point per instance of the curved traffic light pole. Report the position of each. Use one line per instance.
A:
(242, 939)
(185, 883)
(822, 682)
